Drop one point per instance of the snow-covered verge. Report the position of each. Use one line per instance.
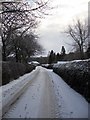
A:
(10, 92)
(76, 73)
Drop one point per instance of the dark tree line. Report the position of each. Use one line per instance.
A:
(53, 57)
(18, 21)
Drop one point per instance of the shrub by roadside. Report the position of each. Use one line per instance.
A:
(12, 70)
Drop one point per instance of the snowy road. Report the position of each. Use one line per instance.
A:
(47, 96)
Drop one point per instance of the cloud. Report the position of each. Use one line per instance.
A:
(50, 29)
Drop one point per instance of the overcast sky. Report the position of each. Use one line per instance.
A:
(51, 28)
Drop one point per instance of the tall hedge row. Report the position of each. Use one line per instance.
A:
(12, 70)
(77, 75)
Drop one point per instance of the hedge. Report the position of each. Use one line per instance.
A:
(77, 75)
(12, 70)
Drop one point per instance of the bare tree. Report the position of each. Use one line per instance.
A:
(26, 47)
(20, 18)
(79, 34)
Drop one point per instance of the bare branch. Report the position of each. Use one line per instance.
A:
(79, 34)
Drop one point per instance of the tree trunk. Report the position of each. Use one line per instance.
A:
(81, 52)
(4, 51)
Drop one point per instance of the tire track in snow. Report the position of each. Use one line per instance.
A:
(15, 96)
(37, 101)
(60, 104)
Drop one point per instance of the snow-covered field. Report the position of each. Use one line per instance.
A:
(41, 94)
